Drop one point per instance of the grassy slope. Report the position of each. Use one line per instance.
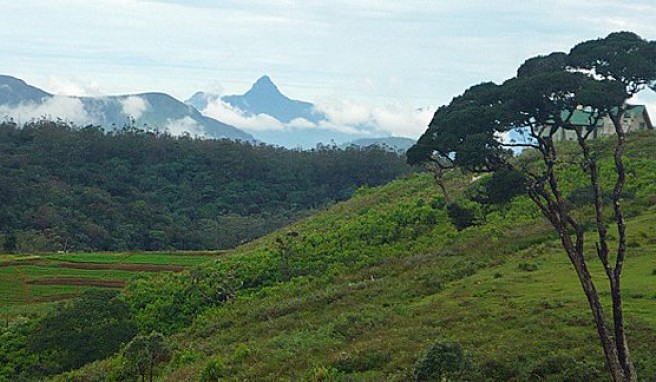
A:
(389, 285)
(19, 296)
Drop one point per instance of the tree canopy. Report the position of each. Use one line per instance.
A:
(474, 132)
(600, 75)
(65, 187)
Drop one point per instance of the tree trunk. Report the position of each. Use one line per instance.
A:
(603, 328)
(618, 315)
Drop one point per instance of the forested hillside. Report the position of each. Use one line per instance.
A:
(79, 188)
(380, 287)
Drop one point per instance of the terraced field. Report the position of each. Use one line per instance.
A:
(28, 283)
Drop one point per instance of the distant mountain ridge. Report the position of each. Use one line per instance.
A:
(264, 97)
(14, 91)
(304, 124)
(154, 110)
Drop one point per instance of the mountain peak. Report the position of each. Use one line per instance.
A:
(265, 86)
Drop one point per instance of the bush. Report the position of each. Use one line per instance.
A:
(214, 371)
(528, 267)
(567, 369)
(500, 188)
(444, 361)
(324, 374)
(144, 352)
(463, 214)
(67, 337)
(495, 370)
(584, 195)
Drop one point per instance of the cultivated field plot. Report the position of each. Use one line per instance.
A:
(29, 280)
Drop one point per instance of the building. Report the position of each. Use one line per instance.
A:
(635, 118)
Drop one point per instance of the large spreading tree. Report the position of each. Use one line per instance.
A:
(594, 80)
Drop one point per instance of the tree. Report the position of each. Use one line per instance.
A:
(595, 78)
(144, 352)
(11, 243)
(443, 361)
(83, 330)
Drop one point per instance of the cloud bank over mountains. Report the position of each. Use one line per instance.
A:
(263, 113)
(274, 118)
(151, 111)
(62, 107)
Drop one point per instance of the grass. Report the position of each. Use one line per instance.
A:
(135, 258)
(376, 286)
(373, 324)
(21, 275)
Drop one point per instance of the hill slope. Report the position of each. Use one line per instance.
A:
(67, 188)
(23, 102)
(358, 292)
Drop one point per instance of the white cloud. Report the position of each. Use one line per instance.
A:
(67, 108)
(134, 106)
(376, 120)
(345, 112)
(301, 123)
(342, 115)
(69, 87)
(224, 112)
(184, 125)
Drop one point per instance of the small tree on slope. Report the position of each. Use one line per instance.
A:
(596, 77)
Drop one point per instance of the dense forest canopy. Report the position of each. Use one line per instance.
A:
(64, 187)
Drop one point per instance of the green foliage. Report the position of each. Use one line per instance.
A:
(63, 187)
(567, 369)
(10, 245)
(528, 267)
(596, 79)
(214, 371)
(82, 331)
(324, 374)
(16, 361)
(496, 370)
(464, 214)
(144, 352)
(584, 195)
(378, 278)
(500, 188)
(443, 361)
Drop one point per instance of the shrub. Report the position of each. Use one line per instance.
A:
(584, 195)
(438, 203)
(144, 352)
(443, 361)
(528, 267)
(500, 188)
(324, 374)
(463, 214)
(566, 369)
(495, 370)
(214, 371)
(362, 362)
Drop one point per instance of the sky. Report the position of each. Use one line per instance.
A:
(388, 59)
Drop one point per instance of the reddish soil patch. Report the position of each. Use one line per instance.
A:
(18, 263)
(124, 267)
(109, 283)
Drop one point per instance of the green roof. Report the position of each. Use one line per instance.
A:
(583, 117)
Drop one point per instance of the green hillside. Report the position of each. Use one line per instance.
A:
(360, 291)
(69, 188)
